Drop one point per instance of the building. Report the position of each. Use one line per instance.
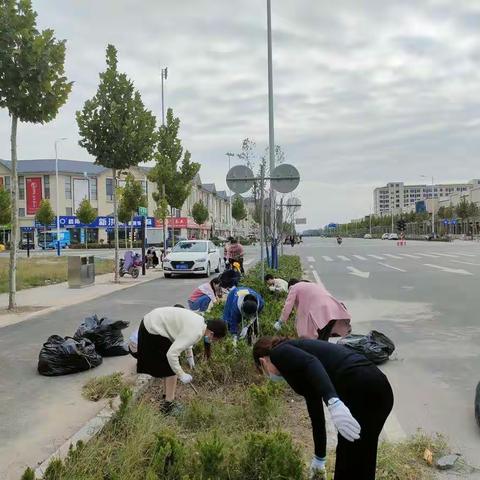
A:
(78, 180)
(396, 197)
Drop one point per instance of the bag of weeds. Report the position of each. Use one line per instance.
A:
(61, 356)
(376, 346)
(105, 333)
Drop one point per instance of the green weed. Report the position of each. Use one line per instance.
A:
(108, 386)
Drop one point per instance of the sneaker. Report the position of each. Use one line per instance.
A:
(171, 408)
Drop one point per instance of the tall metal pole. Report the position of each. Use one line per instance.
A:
(164, 76)
(271, 128)
(57, 200)
(433, 210)
(230, 155)
(262, 221)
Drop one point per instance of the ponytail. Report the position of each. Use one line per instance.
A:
(264, 346)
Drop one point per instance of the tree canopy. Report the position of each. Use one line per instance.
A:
(85, 212)
(45, 215)
(5, 206)
(239, 211)
(200, 213)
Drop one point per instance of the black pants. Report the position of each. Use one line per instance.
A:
(368, 395)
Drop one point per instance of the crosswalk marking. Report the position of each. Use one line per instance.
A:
(466, 255)
(376, 257)
(449, 270)
(392, 267)
(392, 256)
(428, 255)
(344, 258)
(409, 256)
(359, 257)
(327, 259)
(310, 259)
(466, 263)
(447, 255)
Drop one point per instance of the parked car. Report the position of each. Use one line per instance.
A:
(393, 236)
(199, 257)
(367, 236)
(385, 236)
(177, 239)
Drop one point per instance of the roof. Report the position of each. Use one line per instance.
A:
(210, 187)
(222, 194)
(48, 166)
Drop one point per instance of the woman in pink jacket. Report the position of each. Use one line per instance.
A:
(319, 314)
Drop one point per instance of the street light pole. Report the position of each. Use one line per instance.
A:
(164, 77)
(433, 209)
(57, 201)
(230, 155)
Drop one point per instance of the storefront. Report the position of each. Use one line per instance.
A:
(186, 227)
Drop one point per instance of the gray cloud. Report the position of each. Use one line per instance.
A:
(365, 92)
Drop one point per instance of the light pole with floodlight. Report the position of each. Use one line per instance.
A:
(57, 206)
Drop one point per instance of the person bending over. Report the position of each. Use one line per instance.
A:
(163, 335)
(276, 284)
(205, 295)
(356, 393)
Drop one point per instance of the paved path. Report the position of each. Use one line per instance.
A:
(425, 296)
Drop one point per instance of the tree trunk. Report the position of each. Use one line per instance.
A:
(173, 227)
(86, 238)
(115, 219)
(131, 233)
(12, 277)
(45, 236)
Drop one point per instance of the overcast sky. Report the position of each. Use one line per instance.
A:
(366, 92)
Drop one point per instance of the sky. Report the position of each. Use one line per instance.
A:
(365, 92)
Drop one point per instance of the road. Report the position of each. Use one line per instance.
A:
(97, 252)
(425, 296)
(39, 413)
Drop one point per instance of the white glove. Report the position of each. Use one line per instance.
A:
(235, 340)
(277, 325)
(343, 420)
(317, 467)
(244, 332)
(191, 362)
(186, 378)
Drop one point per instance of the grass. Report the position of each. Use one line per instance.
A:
(40, 271)
(108, 386)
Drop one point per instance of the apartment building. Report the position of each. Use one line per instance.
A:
(396, 197)
(78, 180)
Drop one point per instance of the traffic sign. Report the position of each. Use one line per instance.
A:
(142, 211)
(240, 179)
(285, 178)
(300, 221)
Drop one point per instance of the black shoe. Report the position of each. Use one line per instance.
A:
(171, 408)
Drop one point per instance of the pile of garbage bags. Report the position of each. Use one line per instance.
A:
(376, 346)
(94, 339)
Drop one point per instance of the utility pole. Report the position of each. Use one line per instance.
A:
(57, 201)
(164, 77)
(230, 155)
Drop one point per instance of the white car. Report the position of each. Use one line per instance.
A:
(393, 236)
(367, 236)
(199, 257)
(385, 236)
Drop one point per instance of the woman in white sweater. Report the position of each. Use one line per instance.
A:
(163, 335)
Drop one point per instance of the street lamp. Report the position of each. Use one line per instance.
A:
(433, 204)
(57, 206)
(230, 155)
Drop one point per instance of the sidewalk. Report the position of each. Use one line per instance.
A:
(40, 300)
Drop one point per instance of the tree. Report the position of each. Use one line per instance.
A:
(239, 211)
(200, 213)
(86, 214)
(116, 128)
(5, 207)
(462, 209)
(45, 216)
(132, 197)
(33, 87)
(169, 176)
(161, 213)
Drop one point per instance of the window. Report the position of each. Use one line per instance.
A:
(109, 189)
(93, 189)
(6, 183)
(21, 212)
(144, 186)
(46, 186)
(68, 188)
(21, 187)
(69, 211)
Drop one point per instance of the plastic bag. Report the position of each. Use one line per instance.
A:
(61, 356)
(376, 346)
(105, 333)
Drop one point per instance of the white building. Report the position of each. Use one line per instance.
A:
(396, 197)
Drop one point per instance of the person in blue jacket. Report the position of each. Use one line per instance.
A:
(242, 303)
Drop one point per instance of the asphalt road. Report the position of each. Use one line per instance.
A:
(97, 252)
(425, 297)
(39, 413)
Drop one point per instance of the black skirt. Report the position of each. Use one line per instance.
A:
(152, 354)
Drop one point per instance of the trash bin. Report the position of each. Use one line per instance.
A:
(81, 271)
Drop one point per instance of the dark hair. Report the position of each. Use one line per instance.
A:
(268, 277)
(233, 240)
(215, 281)
(294, 281)
(264, 346)
(179, 305)
(249, 306)
(218, 327)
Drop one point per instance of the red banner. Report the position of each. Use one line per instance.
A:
(1, 182)
(34, 194)
(181, 222)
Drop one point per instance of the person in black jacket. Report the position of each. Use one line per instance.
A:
(356, 393)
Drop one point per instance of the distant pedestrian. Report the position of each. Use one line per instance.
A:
(357, 394)
(236, 253)
(292, 240)
(319, 314)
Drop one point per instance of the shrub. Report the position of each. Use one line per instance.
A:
(108, 386)
(271, 456)
(55, 470)
(198, 415)
(168, 457)
(264, 404)
(28, 474)
(211, 458)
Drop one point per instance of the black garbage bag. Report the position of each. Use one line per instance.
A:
(105, 333)
(61, 356)
(376, 346)
(477, 405)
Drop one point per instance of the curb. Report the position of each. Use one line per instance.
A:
(94, 425)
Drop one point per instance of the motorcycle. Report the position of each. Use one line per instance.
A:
(339, 240)
(130, 263)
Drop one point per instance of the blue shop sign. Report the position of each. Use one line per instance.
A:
(69, 221)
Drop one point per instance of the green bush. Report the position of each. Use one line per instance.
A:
(55, 470)
(264, 404)
(211, 458)
(28, 474)
(271, 456)
(198, 415)
(168, 457)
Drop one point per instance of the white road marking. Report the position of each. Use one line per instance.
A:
(449, 270)
(358, 273)
(359, 257)
(428, 255)
(310, 259)
(377, 257)
(327, 259)
(466, 263)
(316, 276)
(392, 256)
(343, 258)
(466, 255)
(447, 255)
(392, 267)
(409, 256)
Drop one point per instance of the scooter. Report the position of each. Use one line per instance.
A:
(129, 264)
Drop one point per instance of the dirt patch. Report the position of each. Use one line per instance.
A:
(21, 310)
